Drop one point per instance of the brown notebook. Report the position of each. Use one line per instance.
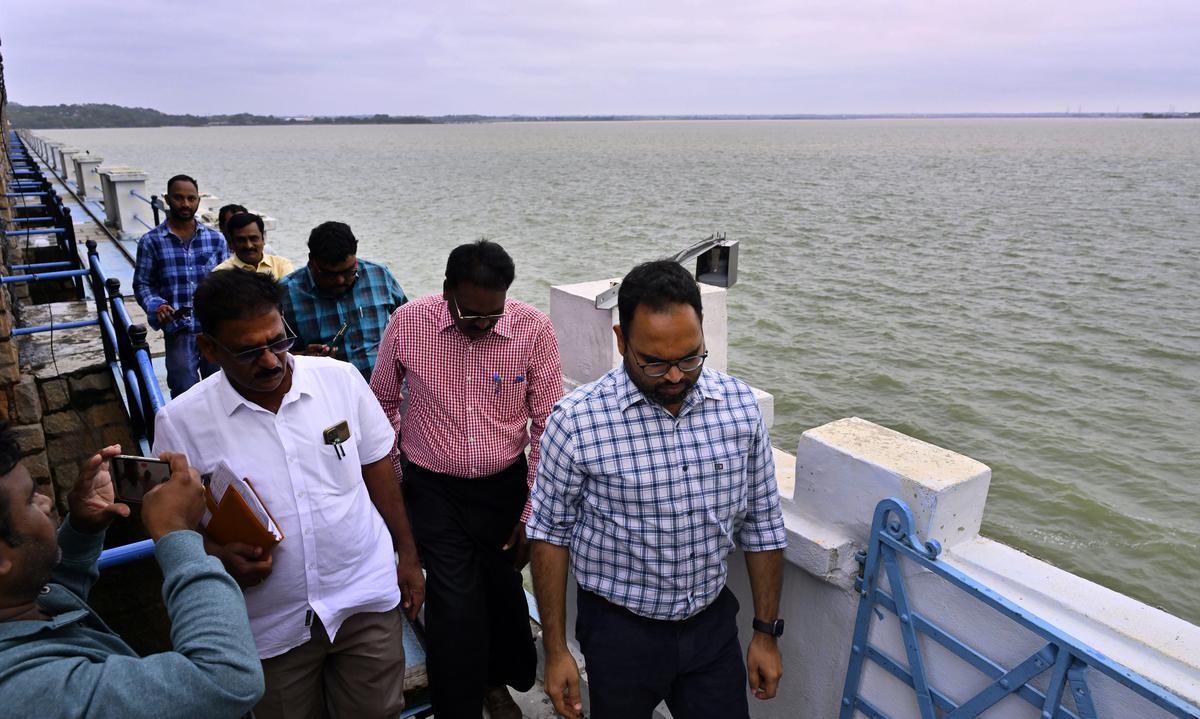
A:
(240, 515)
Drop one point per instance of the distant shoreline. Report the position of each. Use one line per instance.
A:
(104, 116)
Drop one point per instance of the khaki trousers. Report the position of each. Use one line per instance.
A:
(360, 675)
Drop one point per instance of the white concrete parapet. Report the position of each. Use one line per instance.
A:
(122, 209)
(87, 175)
(50, 154)
(842, 470)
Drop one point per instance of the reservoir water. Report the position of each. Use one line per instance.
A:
(1025, 292)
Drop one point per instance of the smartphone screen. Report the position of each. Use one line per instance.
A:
(134, 476)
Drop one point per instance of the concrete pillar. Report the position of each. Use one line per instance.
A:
(87, 175)
(589, 349)
(50, 154)
(122, 208)
(66, 167)
(585, 334)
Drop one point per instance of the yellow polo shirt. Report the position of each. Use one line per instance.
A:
(274, 265)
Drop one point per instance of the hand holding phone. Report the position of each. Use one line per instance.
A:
(134, 476)
(175, 504)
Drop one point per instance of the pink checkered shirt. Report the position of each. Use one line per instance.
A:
(469, 401)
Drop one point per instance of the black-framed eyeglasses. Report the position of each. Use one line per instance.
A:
(349, 275)
(473, 318)
(685, 365)
(250, 356)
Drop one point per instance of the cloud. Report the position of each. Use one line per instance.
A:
(585, 56)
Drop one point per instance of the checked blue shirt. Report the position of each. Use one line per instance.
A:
(167, 271)
(367, 307)
(651, 504)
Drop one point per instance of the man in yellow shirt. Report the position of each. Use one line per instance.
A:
(246, 238)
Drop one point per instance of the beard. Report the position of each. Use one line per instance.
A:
(657, 389)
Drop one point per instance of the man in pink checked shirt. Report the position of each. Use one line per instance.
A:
(480, 368)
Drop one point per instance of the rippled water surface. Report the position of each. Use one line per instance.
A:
(1021, 291)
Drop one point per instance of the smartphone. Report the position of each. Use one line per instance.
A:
(134, 476)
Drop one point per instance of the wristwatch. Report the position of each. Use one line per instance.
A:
(774, 628)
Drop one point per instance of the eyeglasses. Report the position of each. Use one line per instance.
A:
(473, 318)
(250, 356)
(349, 275)
(685, 365)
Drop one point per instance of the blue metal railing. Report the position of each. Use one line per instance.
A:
(126, 351)
(153, 202)
(1067, 659)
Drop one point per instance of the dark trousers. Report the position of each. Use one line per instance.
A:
(476, 618)
(633, 663)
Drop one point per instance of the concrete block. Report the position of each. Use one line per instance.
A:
(62, 423)
(55, 394)
(30, 437)
(27, 403)
(87, 176)
(844, 468)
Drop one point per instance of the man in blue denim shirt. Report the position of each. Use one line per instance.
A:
(171, 260)
(59, 659)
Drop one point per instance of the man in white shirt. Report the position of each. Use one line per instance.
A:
(309, 435)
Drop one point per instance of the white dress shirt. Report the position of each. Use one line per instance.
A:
(336, 558)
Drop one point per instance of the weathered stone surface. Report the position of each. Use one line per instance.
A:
(30, 437)
(119, 434)
(66, 449)
(92, 382)
(4, 400)
(62, 423)
(55, 394)
(38, 466)
(104, 414)
(6, 323)
(27, 403)
(66, 474)
(10, 370)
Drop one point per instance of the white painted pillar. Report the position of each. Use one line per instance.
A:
(65, 165)
(126, 212)
(87, 176)
(50, 154)
(589, 349)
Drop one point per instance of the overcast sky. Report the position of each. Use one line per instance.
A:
(536, 57)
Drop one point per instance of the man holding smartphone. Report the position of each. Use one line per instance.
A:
(60, 657)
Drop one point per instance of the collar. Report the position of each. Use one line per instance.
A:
(56, 600)
(628, 394)
(230, 399)
(267, 261)
(503, 327)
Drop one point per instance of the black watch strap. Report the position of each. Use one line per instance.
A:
(774, 628)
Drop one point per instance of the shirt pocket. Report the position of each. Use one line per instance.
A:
(722, 478)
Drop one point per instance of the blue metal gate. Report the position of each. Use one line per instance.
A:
(1068, 660)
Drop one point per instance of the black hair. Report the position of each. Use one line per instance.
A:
(182, 178)
(234, 294)
(10, 457)
(482, 263)
(233, 209)
(331, 242)
(658, 285)
(242, 219)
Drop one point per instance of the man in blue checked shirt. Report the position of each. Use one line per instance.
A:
(171, 260)
(648, 477)
(339, 305)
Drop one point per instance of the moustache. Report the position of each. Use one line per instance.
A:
(267, 373)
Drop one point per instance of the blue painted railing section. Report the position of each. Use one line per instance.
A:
(1061, 664)
(125, 349)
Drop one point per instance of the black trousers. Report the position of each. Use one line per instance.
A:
(476, 618)
(633, 662)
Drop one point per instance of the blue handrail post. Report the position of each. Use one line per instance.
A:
(154, 205)
(137, 339)
(125, 352)
(100, 297)
(72, 249)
